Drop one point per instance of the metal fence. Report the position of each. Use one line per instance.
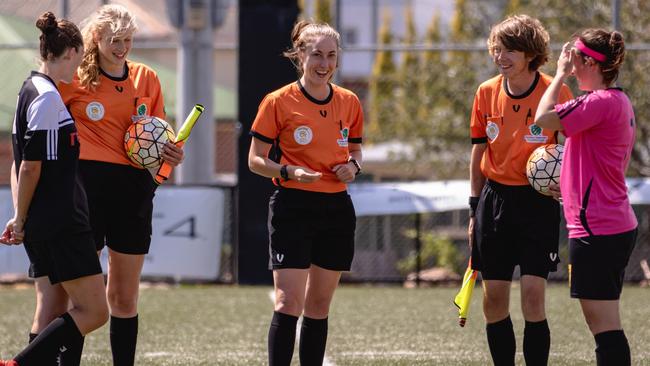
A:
(390, 249)
(386, 248)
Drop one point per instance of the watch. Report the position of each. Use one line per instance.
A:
(356, 164)
(284, 173)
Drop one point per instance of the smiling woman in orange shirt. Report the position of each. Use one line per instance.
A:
(315, 128)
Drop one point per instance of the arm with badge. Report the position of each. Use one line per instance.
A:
(351, 137)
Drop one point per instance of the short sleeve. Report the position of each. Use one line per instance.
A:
(41, 137)
(266, 125)
(477, 121)
(43, 112)
(581, 114)
(356, 127)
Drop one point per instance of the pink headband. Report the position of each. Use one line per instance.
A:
(589, 52)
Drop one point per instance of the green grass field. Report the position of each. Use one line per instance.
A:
(369, 325)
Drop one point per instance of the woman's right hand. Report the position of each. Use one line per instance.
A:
(302, 174)
(5, 237)
(565, 61)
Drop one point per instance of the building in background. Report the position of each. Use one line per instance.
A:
(155, 45)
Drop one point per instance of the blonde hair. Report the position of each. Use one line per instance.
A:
(115, 18)
(304, 33)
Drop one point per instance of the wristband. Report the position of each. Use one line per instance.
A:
(284, 173)
(473, 203)
(356, 165)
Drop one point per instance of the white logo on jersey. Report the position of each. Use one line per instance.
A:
(303, 135)
(492, 130)
(280, 257)
(553, 256)
(535, 136)
(343, 141)
(95, 111)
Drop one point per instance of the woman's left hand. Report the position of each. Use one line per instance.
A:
(345, 172)
(172, 154)
(14, 232)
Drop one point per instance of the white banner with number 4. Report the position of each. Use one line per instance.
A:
(185, 244)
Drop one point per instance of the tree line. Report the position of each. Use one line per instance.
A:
(424, 100)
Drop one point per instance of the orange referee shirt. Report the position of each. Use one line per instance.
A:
(103, 115)
(505, 123)
(311, 133)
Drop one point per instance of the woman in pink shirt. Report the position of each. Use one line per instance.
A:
(599, 127)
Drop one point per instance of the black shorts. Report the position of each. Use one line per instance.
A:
(120, 201)
(515, 225)
(597, 265)
(311, 228)
(64, 258)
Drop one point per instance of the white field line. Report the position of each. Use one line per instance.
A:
(326, 361)
(159, 354)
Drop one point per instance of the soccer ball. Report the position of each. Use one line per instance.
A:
(543, 167)
(144, 141)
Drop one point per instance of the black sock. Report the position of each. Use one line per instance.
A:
(612, 349)
(313, 338)
(501, 339)
(33, 336)
(72, 355)
(124, 337)
(45, 348)
(282, 337)
(537, 343)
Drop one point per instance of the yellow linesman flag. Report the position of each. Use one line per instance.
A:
(464, 296)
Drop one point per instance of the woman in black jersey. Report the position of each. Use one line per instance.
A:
(51, 210)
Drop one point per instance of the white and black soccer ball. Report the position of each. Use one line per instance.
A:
(144, 141)
(543, 167)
